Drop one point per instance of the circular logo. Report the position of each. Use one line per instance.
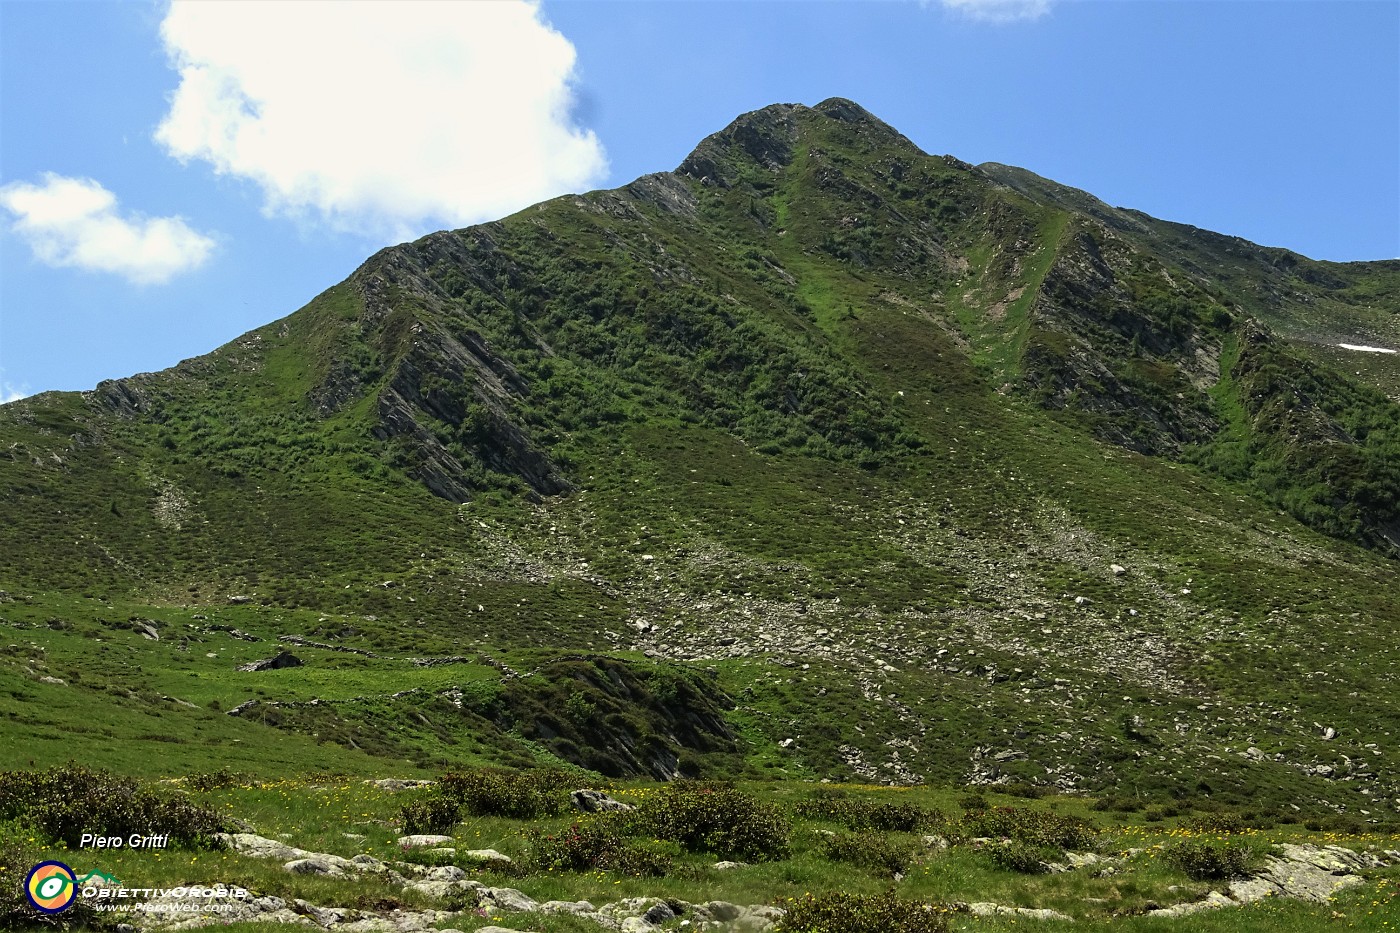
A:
(51, 887)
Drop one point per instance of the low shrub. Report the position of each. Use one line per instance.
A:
(599, 843)
(974, 800)
(216, 780)
(715, 818)
(1033, 827)
(866, 815)
(66, 801)
(1215, 823)
(874, 851)
(1206, 859)
(432, 813)
(861, 913)
(1019, 857)
(522, 795)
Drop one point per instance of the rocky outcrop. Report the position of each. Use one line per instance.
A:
(619, 719)
(455, 384)
(447, 883)
(1304, 872)
(279, 661)
(595, 801)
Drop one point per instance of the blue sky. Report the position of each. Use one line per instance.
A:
(172, 176)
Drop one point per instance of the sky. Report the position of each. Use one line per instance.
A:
(173, 175)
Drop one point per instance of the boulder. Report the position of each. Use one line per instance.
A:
(427, 839)
(595, 801)
(508, 899)
(1213, 901)
(320, 865)
(444, 890)
(988, 909)
(283, 659)
(487, 855)
(575, 908)
(397, 784)
(255, 846)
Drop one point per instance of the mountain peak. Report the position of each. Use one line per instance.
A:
(847, 111)
(767, 137)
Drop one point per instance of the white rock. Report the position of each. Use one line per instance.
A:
(413, 842)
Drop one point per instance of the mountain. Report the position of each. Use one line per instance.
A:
(819, 457)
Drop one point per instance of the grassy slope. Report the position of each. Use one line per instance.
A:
(318, 814)
(902, 502)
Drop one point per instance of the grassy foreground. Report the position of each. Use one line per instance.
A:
(799, 840)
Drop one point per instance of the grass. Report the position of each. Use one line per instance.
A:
(771, 436)
(350, 817)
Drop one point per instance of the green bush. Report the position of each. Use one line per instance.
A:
(66, 801)
(433, 813)
(874, 851)
(974, 800)
(1020, 857)
(865, 815)
(522, 795)
(861, 913)
(1215, 823)
(715, 818)
(1211, 859)
(1033, 827)
(215, 780)
(599, 843)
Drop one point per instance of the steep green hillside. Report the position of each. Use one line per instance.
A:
(819, 457)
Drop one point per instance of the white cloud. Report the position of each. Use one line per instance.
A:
(9, 392)
(382, 118)
(74, 222)
(999, 11)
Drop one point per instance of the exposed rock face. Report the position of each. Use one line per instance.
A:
(1305, 872)
(283, 659)
(641, 720)
(125, 398)
(426, 839)
(595, 801)
(987, 909)
(447, 381)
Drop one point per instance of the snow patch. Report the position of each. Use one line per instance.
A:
(1364, 349)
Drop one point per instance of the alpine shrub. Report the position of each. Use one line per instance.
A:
(1019, 857)
(865, 815)
(66, 801)
(715, 818)
(874, 851)
(596, 844)
(215, 780)
(522, 795)
(861, 913)
(1033, 827)
(433, 813)
(1218, 823)
(1206, 859)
